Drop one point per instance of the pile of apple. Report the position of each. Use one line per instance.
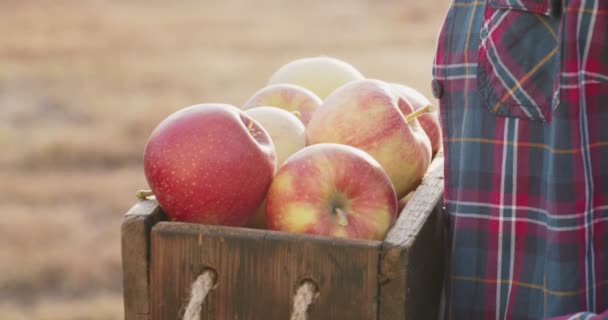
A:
(319, 150)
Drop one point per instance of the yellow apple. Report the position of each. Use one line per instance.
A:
(286, 96)
(322, 75)
(285, 129)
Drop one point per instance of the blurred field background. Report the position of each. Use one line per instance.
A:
(83, 83)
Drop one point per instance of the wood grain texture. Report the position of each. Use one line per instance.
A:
(135, 230)
(412, 260)
(259, 272)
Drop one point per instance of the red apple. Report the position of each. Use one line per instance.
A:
(428, 121)
(332, 189)
(366, 114)
(209, 163)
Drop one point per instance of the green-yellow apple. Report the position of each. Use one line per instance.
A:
(334, 190)
(366, 114)
(286, 96)
(428, 121)
(209, 163)
(288, 136)
(322, 75)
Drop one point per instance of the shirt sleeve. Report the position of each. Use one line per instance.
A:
(583, 316)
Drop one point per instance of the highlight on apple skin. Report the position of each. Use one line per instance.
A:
(366, 114)
(321, 75)
(209, 163)
(334, 190)
(288, 97)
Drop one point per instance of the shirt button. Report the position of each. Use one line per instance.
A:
(437, 88)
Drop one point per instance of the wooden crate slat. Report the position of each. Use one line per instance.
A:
(412, 262)
(259, 271)
(135, 235)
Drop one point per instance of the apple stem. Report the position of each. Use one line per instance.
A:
(419, 112)
(341, 217)
(143, 194)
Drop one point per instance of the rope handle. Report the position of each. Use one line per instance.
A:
(207, 281)
(304, 297)
(201, 287)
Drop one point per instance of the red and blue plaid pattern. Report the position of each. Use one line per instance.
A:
(525, 122)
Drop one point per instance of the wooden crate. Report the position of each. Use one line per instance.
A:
(258, 271)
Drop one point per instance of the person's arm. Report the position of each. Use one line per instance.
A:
(583, 316)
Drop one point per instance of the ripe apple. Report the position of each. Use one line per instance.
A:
(366, 114)
(332, 189)
(285, 129)
(288, 136)
(322, 75)
(286, 96)
(209, 163)
(428, 121)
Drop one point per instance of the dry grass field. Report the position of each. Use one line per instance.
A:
(83, 83)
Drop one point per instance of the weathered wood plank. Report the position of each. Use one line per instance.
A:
(135, 229)
(259, 272)
(411, 266)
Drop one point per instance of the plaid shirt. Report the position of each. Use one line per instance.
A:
(523, 92)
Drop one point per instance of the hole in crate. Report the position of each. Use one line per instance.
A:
(311, 283)
(211, 271)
